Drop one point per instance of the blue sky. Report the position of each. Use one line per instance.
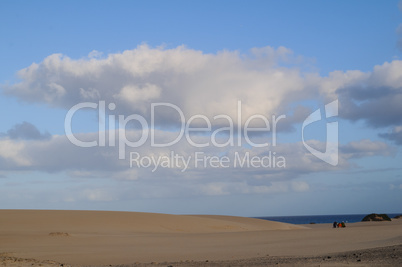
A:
(276, 57)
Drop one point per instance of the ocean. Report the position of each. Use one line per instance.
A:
(348, 218)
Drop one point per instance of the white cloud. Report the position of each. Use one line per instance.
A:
(95, 54)
(198, 83)
(89, 93)
(244, 187)
(234, 187)
(394, 135)
(12, 155)
(375, 97)
(140, 96)
(59, 155)
(98, 195)
(300, 186)
(367, 148)
(210, 84)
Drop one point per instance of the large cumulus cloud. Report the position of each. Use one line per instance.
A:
(211, 84)
(196, 82)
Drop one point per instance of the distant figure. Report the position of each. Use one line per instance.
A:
(343, 224)
(335, 224)
(339, 225)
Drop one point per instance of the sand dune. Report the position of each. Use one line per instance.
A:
(129, 222)
(250, 224)
(103, 238)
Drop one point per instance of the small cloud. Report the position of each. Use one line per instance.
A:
(395, 135)
(214, 189)
(366, 148)
(98, 195)
(393, 187)
(95, 54)
(300, 186)
(69, 199)
(26, 131)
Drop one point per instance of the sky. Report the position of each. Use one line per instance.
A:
(257, 108)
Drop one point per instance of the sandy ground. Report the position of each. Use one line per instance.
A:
(98, 238)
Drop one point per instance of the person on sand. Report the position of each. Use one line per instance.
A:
(339, 225)
(335, 224)
(343, 224)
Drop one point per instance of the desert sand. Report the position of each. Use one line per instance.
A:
(103, 238)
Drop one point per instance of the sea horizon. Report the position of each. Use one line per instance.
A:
(320, 219)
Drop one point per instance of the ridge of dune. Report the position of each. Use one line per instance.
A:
(79, 222)
(251, 224)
